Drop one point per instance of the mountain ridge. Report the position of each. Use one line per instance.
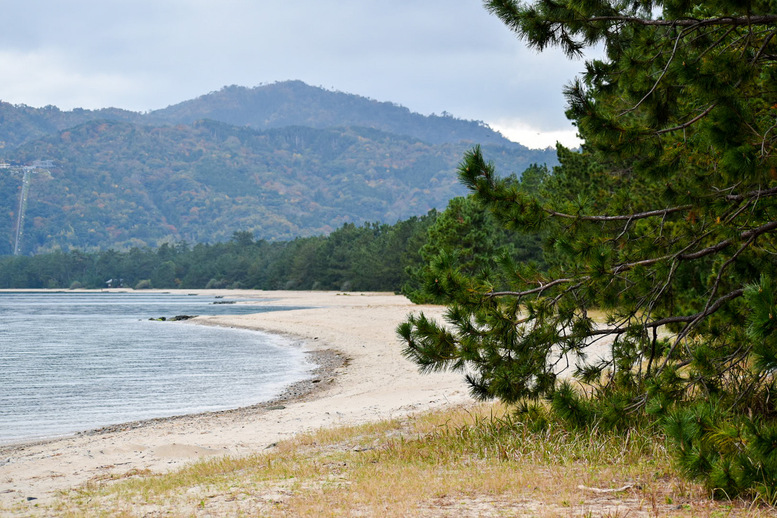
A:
(295, 103)
(284, 103)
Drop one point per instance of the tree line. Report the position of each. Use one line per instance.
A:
(368, 257)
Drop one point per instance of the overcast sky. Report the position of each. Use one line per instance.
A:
(428, 55)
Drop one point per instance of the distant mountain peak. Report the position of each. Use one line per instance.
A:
(295, 103)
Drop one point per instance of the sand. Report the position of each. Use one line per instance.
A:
(374, 382)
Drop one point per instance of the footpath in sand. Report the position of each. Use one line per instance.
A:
(375, 382)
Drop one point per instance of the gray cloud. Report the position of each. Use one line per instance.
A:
(431, 56)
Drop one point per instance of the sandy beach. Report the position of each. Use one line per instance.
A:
(373, 381)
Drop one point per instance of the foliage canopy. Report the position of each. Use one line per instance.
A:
(660, 237)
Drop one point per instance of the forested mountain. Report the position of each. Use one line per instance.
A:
(203, 169)
(20, 123)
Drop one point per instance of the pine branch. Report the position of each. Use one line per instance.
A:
(724, 244)
(688, 124)
(658, 212)
(749, 236)
(752, 195)
(692, 322)
(622, 217)
(767, 19)
(717, 247)
(542, 288)
(725, 266)
(663, 73)
(712, 308)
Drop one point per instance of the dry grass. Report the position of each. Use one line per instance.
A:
(462, 462)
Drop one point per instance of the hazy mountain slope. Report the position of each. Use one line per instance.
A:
(294, 103)
(289, 103)
(20, 124)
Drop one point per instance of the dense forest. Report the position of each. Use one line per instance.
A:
(368, 257)
(120, 185)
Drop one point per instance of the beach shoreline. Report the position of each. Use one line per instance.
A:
(325, 364)
(361, 377)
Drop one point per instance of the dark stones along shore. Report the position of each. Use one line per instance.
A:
(326, 361)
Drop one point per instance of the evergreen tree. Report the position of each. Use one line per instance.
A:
(467, 240)
(665, 223)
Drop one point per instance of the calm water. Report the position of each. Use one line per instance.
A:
(72, 362)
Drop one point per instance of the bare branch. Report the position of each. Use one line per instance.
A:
(752, 194)
(763, 141)
(715, 44)
(763, 46)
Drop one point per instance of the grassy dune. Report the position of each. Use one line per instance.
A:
(468, 461)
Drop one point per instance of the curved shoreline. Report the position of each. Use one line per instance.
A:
(314, 364)
(325, 361)
(373, 382)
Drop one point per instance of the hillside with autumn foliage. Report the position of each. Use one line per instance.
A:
(120, 179)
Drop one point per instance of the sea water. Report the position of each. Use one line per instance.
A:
(77, 361)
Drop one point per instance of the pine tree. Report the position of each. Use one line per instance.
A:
(661, 235)
(467, 239)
